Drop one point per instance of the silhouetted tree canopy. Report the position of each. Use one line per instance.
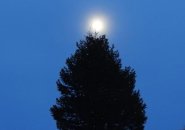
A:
(96, 92)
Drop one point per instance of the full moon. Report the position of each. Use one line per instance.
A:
(97, 25)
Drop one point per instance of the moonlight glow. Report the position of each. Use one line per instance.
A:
(97, 22)
(97, 25)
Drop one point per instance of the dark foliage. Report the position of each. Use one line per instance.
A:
(96, 93)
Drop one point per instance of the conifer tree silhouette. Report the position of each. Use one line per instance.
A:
(96, 92)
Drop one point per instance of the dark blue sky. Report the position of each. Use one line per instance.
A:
(36, 36)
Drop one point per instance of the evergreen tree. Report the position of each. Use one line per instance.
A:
(96, 92)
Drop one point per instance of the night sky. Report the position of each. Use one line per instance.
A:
(36, 36)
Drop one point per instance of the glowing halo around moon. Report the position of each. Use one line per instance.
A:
(97, 25)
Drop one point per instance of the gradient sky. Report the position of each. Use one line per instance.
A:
(36, 36)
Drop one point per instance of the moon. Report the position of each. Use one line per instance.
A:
(97, 24)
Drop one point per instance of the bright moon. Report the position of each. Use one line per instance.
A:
(97, 25)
